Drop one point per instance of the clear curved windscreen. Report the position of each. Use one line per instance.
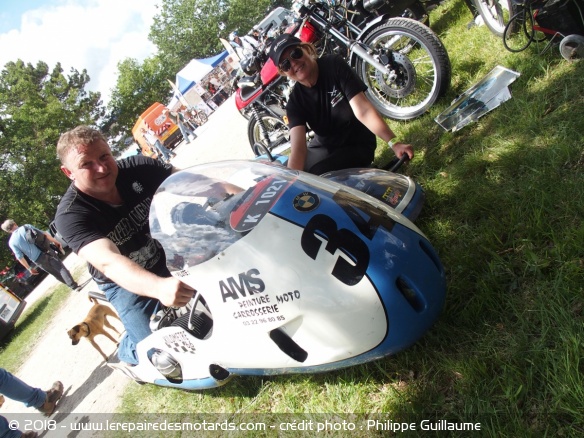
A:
(199, 212)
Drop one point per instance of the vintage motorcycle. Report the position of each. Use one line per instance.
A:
(295, 273)
(403, 63)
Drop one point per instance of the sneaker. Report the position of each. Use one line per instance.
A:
(76, 288)
(53, 396)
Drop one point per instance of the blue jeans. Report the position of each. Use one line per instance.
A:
(185, 129)
(162, 150)
(15, 389)
(135, 312)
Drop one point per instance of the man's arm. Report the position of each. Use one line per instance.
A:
(106, 258)
(53, 240)
(24, 263)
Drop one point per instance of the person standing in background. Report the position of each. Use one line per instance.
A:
(48, 261)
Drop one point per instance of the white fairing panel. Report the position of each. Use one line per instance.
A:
(253, 298)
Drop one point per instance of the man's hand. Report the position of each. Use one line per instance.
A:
(33, 271)
(174, 293)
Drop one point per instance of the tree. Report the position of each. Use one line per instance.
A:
(184, 30)
(36, 106)
(243, 15)
(138, 86)
(189, 29)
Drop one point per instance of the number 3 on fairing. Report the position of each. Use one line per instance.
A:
(343, 239)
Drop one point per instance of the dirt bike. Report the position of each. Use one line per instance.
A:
(403, 63)
(294, 273)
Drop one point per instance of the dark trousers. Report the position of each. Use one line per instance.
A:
(50, 263)
(321, 159)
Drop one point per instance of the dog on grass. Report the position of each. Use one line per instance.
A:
(93, 325)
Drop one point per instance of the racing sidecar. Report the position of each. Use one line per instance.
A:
(294, 273)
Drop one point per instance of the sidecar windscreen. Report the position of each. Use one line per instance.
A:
(199, 212)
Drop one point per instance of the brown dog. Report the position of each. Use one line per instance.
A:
(93, 325)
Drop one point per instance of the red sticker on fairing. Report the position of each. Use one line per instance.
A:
(257, 203)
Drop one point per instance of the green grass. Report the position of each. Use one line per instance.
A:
(505, 202)
(16, 346)
(504, 208)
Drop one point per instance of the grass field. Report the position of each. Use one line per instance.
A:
(505, 202)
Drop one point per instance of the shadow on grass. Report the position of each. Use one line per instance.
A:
(504, 209)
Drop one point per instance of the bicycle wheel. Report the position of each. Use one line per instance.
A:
(200, 118)
(496, 14)
(518, 33)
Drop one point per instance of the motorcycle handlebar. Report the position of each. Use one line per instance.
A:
(399, 163)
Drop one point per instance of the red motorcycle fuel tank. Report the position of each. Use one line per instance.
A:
(269, 72)
(307, 33)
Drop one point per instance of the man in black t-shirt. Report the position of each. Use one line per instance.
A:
(103, 217)
(329, 98)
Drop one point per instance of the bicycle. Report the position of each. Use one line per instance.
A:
(530, 24)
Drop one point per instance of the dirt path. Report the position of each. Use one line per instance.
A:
(90, 386)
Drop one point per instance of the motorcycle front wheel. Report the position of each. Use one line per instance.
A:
(277, 131)
(495, 13)
(419, 64)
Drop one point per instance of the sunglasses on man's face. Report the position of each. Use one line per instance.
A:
(286, 65)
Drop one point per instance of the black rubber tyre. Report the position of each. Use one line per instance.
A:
(278, 131)
(496, 14)
(422, 68)
(520, 32)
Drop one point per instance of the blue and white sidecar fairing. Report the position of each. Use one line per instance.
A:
(294, 273)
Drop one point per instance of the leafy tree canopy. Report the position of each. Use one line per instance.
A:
(36, 105)
(182, 31)
(138, 86)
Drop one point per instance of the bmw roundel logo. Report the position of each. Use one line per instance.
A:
(306, 201)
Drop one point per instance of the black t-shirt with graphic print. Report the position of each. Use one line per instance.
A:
(82, 219)
(325, 107)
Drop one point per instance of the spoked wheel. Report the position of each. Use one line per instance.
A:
(277, 130)
(496, 14)
(200, 118)
(419, 64)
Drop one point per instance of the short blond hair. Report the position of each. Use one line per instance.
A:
(81, 135)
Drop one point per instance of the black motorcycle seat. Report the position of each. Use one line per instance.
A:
(247, 92)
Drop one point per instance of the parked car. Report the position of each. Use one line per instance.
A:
(55, 233)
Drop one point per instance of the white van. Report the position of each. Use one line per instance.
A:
(278, 17)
